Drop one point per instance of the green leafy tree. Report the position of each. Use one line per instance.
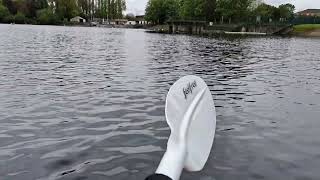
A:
(159, 11)
(243, 10)
(10, 5)
(286, 11)
(102, 9)
(47, 16)
(112, 9)
(21, 6)
(34, 5)
(8, 19)
(27, 7)
(83, 7)
(108, 9)
(4, 12)
(225, 10)
(67, 8)
(172, 9)
(265, 11)
(193, 9)
(154, 11)
(234, 10)
(20, 18)
(209, 9)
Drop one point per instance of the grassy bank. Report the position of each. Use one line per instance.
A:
(307, 30)
(304, 28)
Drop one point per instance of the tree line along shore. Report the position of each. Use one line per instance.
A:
(217, 11)
(251, 15)
(157, 12)
(55, 12)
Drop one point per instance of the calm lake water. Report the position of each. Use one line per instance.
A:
(88, 103)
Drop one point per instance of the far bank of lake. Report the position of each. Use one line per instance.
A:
(195, 28)
(306, 30)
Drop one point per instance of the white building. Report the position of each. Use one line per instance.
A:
(78, 19)
(140, 20)
(131, 23)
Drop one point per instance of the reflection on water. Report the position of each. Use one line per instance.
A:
(88, 103)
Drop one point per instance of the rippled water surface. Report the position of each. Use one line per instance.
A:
(88, 103)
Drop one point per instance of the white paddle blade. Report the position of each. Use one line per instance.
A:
(190, 113)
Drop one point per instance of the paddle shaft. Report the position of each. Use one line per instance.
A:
(172, 162)
(158, 177)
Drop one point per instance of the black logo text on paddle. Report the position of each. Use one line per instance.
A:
(188, 90)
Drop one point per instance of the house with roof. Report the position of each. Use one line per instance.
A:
(78, 19)
(309, 12)
(120, 21)
(140, 20)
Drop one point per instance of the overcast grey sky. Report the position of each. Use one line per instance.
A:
(137, 6)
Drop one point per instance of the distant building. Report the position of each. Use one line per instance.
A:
(131, 22)
(120, 21)
(140, 20)
(310, 12)
(78, 19)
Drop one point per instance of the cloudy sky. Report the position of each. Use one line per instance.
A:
(137, 6)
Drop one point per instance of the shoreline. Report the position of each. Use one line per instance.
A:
(139, 26)
(312, 33)
(307, 30)
(162, 29)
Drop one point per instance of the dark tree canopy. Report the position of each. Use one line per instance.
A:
(59, 10)
(10, 5)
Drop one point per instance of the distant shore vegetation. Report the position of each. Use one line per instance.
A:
(54, 12)
(219, 11)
